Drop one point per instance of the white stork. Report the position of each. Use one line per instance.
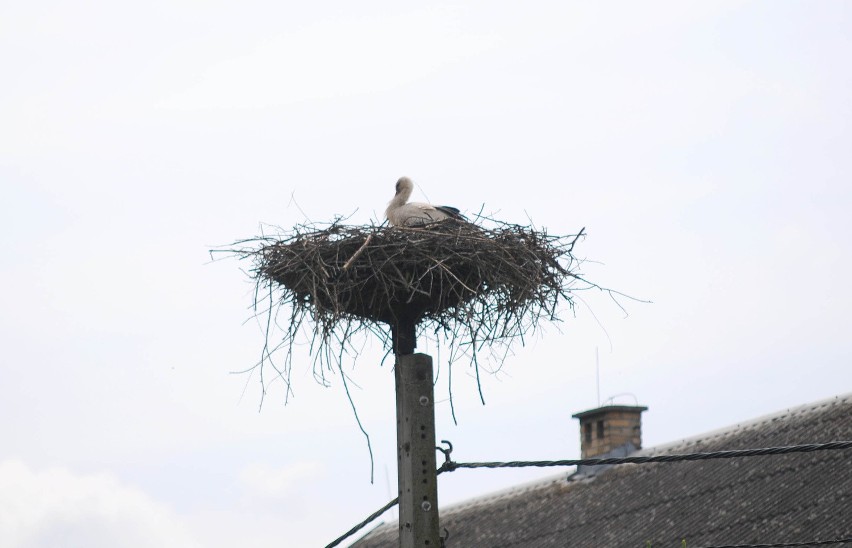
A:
(400, 213)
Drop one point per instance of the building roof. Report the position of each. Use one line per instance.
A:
(794, 497)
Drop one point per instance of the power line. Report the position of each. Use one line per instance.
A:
(786, 544)
(450, 466)
(364, 523)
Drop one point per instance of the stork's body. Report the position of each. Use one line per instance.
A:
(400, 213)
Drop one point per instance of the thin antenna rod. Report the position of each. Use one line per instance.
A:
(598, 375)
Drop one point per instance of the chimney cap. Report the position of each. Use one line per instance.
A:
(608, 409)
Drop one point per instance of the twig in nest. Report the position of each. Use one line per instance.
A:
(357, 253)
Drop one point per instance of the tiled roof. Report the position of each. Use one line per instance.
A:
(786, 498)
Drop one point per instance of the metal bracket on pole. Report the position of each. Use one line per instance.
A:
(415, 433)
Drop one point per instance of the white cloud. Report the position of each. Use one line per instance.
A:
(55, 507)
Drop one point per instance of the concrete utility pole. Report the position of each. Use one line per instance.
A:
(415, 439)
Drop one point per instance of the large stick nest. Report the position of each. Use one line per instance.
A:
(444, 272)
(474, 285)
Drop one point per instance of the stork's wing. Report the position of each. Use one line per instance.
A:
(450, 211)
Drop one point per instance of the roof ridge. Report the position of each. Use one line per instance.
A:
(731, 430)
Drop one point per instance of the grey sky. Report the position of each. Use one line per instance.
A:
(705, 146)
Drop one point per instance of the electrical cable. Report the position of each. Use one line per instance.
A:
(786, 544)
(451, 466)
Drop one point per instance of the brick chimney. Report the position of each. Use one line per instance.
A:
(605, 429)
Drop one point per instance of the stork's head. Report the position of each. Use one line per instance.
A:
(404, 185)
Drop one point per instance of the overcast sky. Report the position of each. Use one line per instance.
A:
(704, 146)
